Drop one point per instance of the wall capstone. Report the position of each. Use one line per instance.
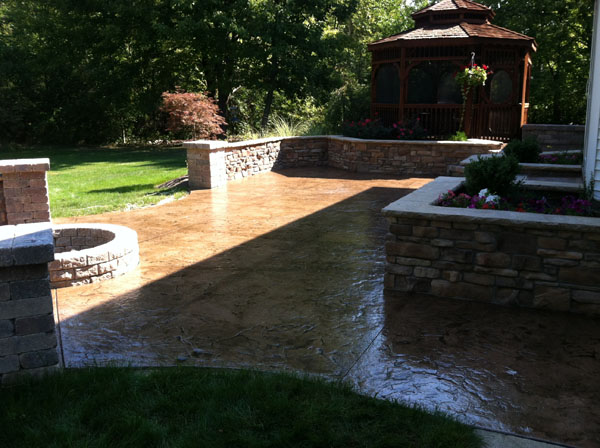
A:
(28, 342)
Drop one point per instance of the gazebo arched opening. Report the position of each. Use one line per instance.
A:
(413, 72)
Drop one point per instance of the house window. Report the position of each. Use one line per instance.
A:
(387, 85)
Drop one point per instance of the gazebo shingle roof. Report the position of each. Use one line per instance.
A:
(463, 30)
(459, 19)
(452, 5)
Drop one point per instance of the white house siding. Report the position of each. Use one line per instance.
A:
(591, 165)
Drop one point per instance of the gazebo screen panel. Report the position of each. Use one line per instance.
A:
(387, 81)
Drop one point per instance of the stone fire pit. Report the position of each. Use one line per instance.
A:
(89, 253)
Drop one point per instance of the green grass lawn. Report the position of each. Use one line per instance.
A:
(86, 181)
(192, 407)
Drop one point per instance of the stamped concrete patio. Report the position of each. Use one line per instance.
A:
(284, 271)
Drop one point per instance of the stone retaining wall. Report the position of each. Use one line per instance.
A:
(211, 164)
(418, 157)
(505, 258)
(28, 341)
(24, 191)
(89, 253)
(556, 137)
(3, 220)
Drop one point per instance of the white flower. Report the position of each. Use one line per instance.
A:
(492, 198)
(483, 193)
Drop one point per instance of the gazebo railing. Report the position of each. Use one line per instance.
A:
(489, 121)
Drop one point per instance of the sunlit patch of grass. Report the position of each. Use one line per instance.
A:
(85, 181)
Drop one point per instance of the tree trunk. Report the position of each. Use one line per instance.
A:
(267, 111)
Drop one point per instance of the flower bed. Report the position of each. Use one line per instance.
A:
(374, 129)
(562, 158)
(494, 256)
(522, 201)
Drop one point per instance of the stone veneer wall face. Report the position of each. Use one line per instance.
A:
(505, 258)
(289, 153)
(28, 341)
(556, 136)
(90, 253)
(3, 220)
(251, 160)
(212, 164)
(400, 158)
(25, 191)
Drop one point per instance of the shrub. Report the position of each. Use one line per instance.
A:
(410, 130)
(374, 129)
(497, 174)
(460, 136)
(525, 151)
(368, 129)
(192, 114)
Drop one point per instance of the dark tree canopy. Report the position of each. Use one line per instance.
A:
(94, 71)
(563, 31)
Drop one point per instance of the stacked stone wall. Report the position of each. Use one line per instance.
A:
(504, 265)
(255, 158)
(24, 191)
(90, 253)
(303, 152)
(506, 258)
(251, 160)
(401, 157)
(557, 137)
(28, 341)
(212, 164)
(3, 220)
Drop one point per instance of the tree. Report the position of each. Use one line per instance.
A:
(192, 113)
(563, 31)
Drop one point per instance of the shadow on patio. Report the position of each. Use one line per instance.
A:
(286, 272)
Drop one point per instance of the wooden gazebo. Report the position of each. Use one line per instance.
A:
(413, 72)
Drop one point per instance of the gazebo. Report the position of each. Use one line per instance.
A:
(412, 74)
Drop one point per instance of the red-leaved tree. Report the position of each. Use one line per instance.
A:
(193, 113)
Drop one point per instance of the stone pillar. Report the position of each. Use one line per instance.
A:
(28, 342)
(206, 164)
(24, 191)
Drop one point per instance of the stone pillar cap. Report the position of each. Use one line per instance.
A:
(25, 244)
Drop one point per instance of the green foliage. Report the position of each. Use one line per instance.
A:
(374, 129)
(563, 32)
(460, 136)
(280, 127)
(496, 173)
(194, 407)
(350, 102)
(87, 181)
(525, 151)
(93, 71)
(367, 129)
(587, 192)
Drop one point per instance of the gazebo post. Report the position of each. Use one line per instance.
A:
(403, 84)
(524, 99)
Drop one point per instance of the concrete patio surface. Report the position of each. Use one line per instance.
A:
(284, 271)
